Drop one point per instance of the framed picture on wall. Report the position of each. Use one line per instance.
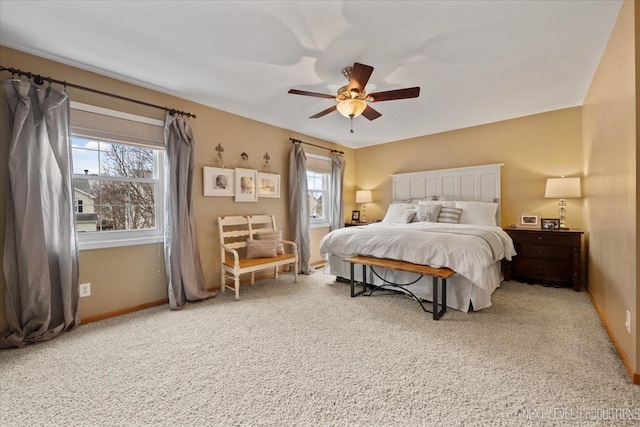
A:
(529, 221)
(268, 185)
(245, 185)
(217, 181)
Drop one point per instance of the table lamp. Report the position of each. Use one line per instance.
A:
(563, 188)
(364, 197)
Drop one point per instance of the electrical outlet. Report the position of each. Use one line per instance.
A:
(85, 289)
(627, 323)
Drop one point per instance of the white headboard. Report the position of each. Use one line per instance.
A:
(474, 182)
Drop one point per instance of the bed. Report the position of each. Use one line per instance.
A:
(471, 243)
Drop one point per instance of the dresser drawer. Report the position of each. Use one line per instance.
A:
(548, 238)
(542, 269)
(560, 253)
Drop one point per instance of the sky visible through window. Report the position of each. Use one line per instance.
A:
(86, 155)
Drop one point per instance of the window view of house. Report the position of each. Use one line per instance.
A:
(114, 186)
(318, 187)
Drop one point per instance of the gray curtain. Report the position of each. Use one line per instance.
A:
(337, 205)
(181, 256)
(299, 207)
(40, 249)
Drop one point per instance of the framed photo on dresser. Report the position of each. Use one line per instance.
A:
(529, 221)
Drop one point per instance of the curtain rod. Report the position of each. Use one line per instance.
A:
(39, 80)
(293, 140)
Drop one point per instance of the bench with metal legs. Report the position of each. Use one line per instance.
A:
(438, 274)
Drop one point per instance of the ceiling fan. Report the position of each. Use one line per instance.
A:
(352, 98)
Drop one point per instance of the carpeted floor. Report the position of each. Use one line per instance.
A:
(307, 354)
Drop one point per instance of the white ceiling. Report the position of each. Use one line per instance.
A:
(475, 61)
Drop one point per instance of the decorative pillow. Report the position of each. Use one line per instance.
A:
(261, 248)
(450, 215)
(395, 210)
(406, 216)
(271, 235)
(427, 213)
(478, 213)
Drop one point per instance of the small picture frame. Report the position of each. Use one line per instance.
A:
(245, 185)
(550, 223)
(529, 221)
(217, 181)
(268, 185)
(355, 216)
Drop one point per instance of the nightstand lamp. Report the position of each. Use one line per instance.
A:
(563, 188)
(364, 197)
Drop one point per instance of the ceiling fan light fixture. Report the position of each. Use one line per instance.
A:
(351, 107)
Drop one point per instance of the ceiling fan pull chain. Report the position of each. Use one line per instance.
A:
(352, 123)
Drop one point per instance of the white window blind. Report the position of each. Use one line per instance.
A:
(89, 121)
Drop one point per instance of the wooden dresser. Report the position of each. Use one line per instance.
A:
(547, 256)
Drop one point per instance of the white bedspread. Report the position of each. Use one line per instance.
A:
(472, 251)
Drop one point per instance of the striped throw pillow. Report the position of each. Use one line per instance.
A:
(449, 215)
(261, 248)
(272, 235)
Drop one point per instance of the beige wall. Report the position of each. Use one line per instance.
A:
(532, 148)
(126, 277)
(597, 141)
(610, 163)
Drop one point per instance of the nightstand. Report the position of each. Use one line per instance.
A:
(353, 224)
(551, 256)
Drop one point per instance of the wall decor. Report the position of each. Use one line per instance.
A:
(529, 220)
(550, 223)
(217, 181)
(245, 160)
(245, 185)
(268, 185)
(219, 161)
(266, 168)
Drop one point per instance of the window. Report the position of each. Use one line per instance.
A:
(117, 182)
(319, 188)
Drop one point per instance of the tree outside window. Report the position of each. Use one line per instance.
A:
(115, 185)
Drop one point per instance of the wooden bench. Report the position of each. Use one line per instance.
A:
(234, 232)
(424, 270)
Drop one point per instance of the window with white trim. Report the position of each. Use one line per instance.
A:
(118, 189)
(319, 190)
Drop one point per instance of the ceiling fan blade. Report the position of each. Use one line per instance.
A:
(324, 113)
(316, 94)
(370, 113)
(412, 92)
(360, 74)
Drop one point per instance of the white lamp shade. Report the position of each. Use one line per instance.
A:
(364, 196)
(350, 107)
(563, 188)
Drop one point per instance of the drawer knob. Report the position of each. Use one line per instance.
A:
(539, 237)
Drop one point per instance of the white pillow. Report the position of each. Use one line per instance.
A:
(406, 217)
(445, 204)
(465, 199)
(477, 213)
(395, 210)
(427, 213)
